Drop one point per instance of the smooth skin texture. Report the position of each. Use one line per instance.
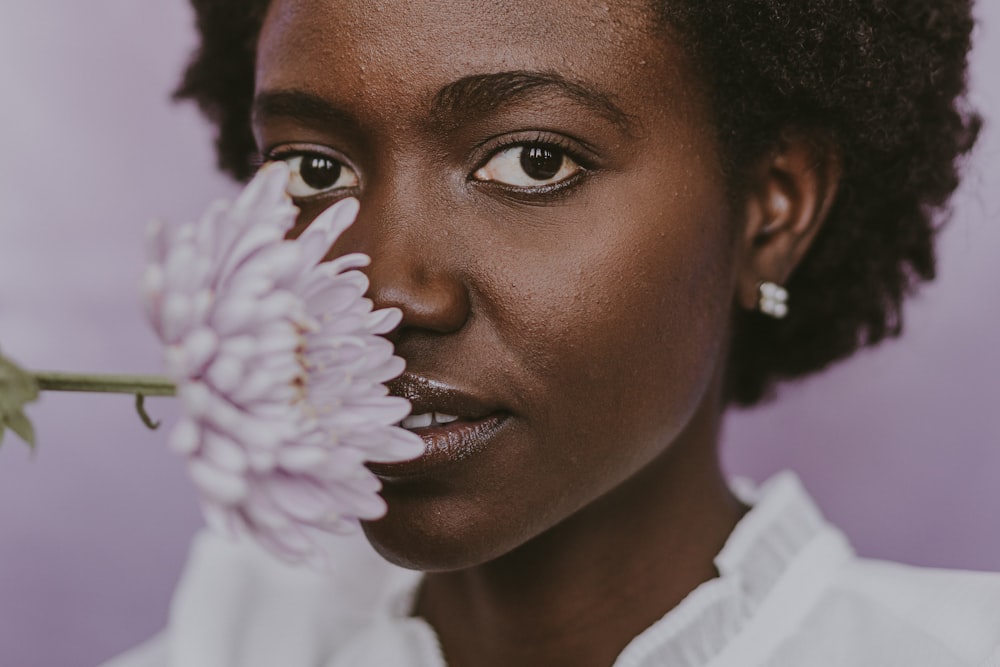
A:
(591, 305)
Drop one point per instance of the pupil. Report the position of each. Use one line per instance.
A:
(319, 172)
(541, 162)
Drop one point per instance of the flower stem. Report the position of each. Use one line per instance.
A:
(147, 385)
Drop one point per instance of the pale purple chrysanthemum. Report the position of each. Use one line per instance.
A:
(279, 366)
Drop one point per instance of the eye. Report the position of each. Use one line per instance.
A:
(313, 174)
(529, 165)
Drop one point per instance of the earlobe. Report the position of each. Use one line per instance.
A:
(787, 200)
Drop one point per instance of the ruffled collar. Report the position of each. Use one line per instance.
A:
(236, 606)
(775, 565)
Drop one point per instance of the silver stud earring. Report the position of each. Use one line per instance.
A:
(772, 300)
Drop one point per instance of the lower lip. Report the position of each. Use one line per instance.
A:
(444, 445)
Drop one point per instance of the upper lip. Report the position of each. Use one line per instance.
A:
(427, 395)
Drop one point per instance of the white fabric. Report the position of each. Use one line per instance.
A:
(791, 593)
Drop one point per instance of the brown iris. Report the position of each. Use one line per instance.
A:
(541, 162)
(319, 171)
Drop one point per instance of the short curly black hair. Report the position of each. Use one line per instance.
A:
(885, 80)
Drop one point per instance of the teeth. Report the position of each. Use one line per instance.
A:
(427, 419)
(418, 421)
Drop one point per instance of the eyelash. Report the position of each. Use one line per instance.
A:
(492, 149)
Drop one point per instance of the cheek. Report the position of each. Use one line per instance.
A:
(623, 327)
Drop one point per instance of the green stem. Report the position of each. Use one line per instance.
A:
(147, 385)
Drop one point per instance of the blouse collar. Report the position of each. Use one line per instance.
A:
(775, 564)
(777, 561)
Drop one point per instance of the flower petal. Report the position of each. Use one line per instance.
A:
(219, 485)
(279, 365)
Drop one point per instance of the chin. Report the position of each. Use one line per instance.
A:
(432, 534)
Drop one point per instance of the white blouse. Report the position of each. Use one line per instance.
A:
(791, 593)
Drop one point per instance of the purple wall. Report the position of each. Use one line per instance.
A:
(901, 446)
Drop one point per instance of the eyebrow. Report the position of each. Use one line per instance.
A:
(476, 94)
(299, 105)
(481, 94)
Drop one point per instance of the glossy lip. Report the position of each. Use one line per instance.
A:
(447, 444)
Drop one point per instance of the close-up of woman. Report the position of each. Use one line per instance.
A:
(603, 224)
(606, 226)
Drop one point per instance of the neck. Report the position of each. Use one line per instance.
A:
(580, 592)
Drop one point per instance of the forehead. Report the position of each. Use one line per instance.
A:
(396, 51)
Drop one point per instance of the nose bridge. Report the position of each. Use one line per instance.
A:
(414, 267)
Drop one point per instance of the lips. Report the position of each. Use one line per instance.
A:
(454, 424)
(432, 396)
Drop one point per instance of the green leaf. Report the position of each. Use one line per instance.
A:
(20, 424)
(17, 389)
(17, 386)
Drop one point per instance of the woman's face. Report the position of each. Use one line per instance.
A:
(541, 195)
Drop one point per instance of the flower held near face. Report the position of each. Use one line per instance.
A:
(279, 366)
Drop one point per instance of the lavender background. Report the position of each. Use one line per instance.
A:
(900, 446)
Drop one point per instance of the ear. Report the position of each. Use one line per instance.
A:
(788, 197)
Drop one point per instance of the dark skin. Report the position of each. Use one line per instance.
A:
(591, 303)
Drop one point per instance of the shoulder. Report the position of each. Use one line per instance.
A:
(961, 609)
(882, 613)
(236, 605)
(826, 606)
(927, 594)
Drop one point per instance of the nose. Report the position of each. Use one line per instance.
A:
(413, 268)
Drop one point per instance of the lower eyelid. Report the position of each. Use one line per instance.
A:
(540, 194)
